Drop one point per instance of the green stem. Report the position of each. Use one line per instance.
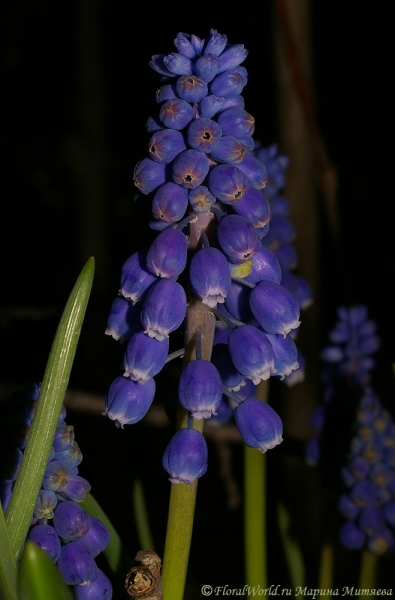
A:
(141, 517)
(255, 511)
(49, 404)
(368, 570)
(8, 571)
(325, 581)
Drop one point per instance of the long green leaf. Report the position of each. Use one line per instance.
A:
(8, 572)
(49, 404)
(39, 578)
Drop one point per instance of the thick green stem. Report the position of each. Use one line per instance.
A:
(183, 497)
(326, 569)
(368, 570)
(255, 510)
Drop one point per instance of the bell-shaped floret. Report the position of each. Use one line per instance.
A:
(236, 121)
(190, 168)
(237, 301)
(228, 83)
(176, 114)
(298, 374)
(170, 202)
(238, 238)
(136, 278)
(274, 307)
(203, 134)
(165, 144)
(227, 183)
(124, 319)
(149, 175)
(69, 458)
(251, 353)
(76, 488)
(210, 276)
(164, 309)
(351, 537)
(210, 105)
(47, 539)
(184, 46)
(191, 88)
(229, 150)
(127, 401)
(215, 43)
(285, 354)
(254, 170)
(100, 589)
(265, 266)
(145, 356)
(178, 64)
(231, 378)
(76, 564)
(167, 255)
(46, 502)
(206, 67)
(55, 476)
(71, 521)
(64, 437)
(259, 425)
(233, 56)
(97, 538)
(254, 207)
(166, 92)
(200, 199)
(185, 458)
(200, 389)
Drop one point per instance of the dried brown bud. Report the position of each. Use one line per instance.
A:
(144, 580)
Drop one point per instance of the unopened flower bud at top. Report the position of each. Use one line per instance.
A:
(200, 389)
(176, 114)
(275, 308)
(164, 309)
(185, 458)
(128, 401)
(238, 238)
(259, 425)
(191, 88)
(251, 353)
(167, 255)
(210, 276)
(228, 83)
(206, 67)
(232, 57)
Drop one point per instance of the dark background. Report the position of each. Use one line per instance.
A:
(76, 91)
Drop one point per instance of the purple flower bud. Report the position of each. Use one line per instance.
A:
(164, 309)
(164, 145)
(185, 458)
(178, 64)
(46, 538)
(64, 437)
(251, 353)
(233, 102)
(69, 458)
(157, 64)
(227, 183)
(166, 92)
(254, 170)
(123, 320)
(228, 83)
(176, 114)
(210, 276)
(153, 123)
(364, 494)
(200, 199)
(285, 354)
(76, 489)
(148, 175)
(144, 357)
(170, 202)
(210, 105)
(229, 150)
(136, 278)
(259, 425)
(76, 564)
(265, 266)
(127, 401)
(230, 376)
(100, 589)
(45, 504)
(298, 374)
(206, 67)
(190, 168)
(347, 507)
(238, 238)
(55, 476)
(200, 389)
(167, 255)
(287, 256)
(283, 229)
(238, 302)
(237, 122)
(203, 134)
(351, 536)
(371, 520)
(254, 207)
(274, 307)
(233, 56)
(216, 43)
(184, 46)
(71, 521)
(191, 88)
(97, 538)
(299, 287)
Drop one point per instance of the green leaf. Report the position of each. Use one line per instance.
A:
(291, 548)
(8, 572)
(141, 517)
(49, 404)
(39, 578)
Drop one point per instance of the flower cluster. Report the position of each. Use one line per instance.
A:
(201, 168)
(60, 526)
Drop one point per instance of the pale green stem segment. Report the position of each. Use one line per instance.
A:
(49, 404)
(141, 517)
(183, 497)
(291, 549)
(255, 558)
(8, 572)
(39, 578)
(115, 553)
(325, 581)
(368, 570)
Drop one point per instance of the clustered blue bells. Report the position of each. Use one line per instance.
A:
(60, 526)
(201, 158)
